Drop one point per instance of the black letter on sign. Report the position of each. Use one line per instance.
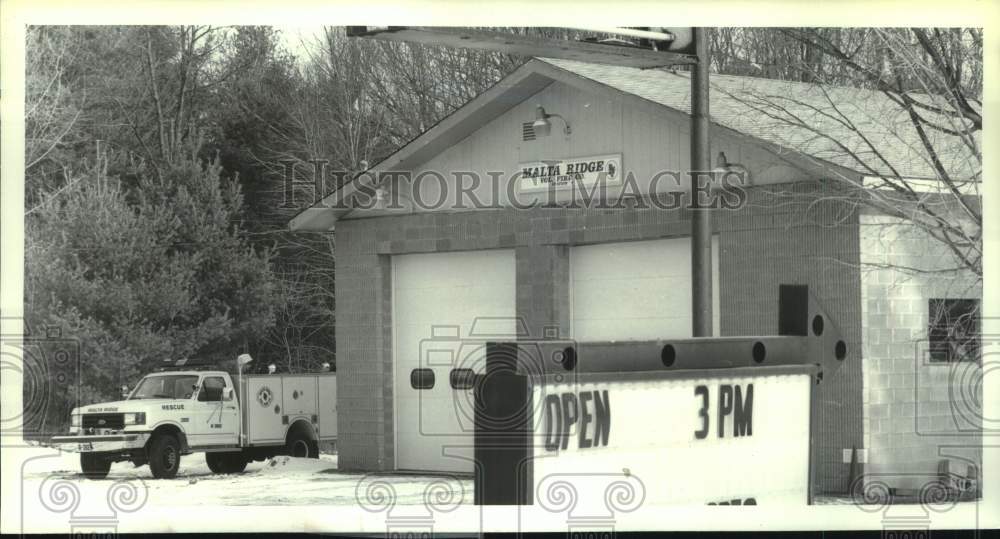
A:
(725, 407)
(553, 422)
(743, 413)
(569, 416)
(585, 418)
(602, 424)
(703, 413)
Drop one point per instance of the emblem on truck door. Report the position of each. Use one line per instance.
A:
(264, 396)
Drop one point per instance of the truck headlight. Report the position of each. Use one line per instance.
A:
(135, 418)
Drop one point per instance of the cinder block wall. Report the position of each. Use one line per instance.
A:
(772, 241)
(790, 234)
(916, 412)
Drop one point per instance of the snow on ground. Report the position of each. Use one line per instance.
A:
(278, 481)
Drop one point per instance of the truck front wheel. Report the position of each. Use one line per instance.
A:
(164, 456)
(94, 466)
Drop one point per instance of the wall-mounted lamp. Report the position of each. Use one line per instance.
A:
(720, 161)
(543, 126)
(723, 166)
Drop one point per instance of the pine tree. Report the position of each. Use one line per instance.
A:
(137, 276)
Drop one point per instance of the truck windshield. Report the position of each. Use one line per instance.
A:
(178, 386)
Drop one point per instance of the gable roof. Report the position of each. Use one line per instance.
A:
(829, 123)
(809, 124)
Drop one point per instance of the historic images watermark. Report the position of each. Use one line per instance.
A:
(462, 353)
(47, 363)
(948, 375)
(306, 185)
(911, 515)
(591, 503)
(410, 510)
(88, 512)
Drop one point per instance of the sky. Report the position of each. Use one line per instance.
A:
(297, 38)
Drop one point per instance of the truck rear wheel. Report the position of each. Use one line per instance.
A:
(94, 466)
(224, 463)
(164, 456)
(236, 462)
(299, 445)
(216, 462)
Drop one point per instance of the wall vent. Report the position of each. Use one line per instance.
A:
(527, 131)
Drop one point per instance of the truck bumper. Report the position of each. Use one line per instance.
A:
(102, 443)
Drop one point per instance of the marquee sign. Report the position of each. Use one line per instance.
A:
(698, 421)
(732, 440)
(579, 172)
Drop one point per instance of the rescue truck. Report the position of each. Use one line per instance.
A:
(183, 409)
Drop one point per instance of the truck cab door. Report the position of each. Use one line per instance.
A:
(215, 414)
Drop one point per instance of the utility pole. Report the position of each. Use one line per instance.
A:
(701, 217)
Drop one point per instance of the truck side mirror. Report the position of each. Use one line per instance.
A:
(125, 392)
(229, 393)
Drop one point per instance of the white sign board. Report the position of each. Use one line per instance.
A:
(720, 440)
(579, 172)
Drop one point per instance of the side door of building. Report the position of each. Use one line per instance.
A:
(215, 418)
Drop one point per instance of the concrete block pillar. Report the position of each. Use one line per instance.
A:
(543, 290)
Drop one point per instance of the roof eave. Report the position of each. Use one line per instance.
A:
(508, 92)
(528, 79)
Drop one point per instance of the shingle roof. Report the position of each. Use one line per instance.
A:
(830, 123)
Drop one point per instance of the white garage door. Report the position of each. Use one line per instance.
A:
(638, 290)
(445, 306)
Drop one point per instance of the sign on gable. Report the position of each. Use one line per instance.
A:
(578, 172)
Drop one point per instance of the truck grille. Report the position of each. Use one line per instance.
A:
(103, 421)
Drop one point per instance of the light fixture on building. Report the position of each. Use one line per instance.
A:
(723, 166)
(721, 161)
(543, 126)
(271, 368)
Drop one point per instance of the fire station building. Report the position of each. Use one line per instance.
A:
(528, 214)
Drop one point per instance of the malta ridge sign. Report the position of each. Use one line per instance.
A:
(703, 421)
(575, 173)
